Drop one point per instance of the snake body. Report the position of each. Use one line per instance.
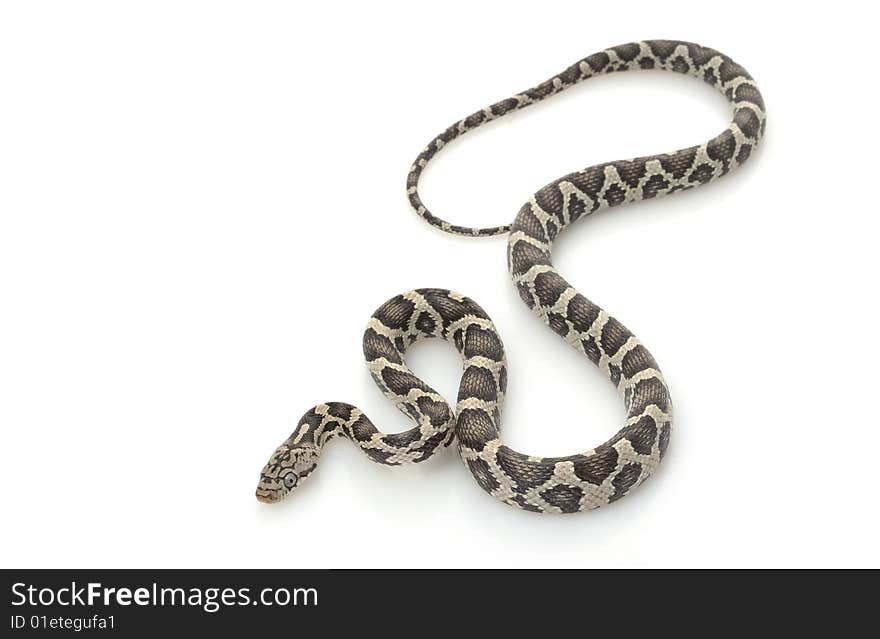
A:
(541, 484)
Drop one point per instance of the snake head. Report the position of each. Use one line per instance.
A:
(287, 468)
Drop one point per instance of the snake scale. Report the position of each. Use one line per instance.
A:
(541, 484)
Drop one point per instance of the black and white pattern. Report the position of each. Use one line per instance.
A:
(541, 484)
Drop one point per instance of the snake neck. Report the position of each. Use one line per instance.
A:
(322, 423)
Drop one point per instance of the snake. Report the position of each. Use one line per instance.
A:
(572, 483)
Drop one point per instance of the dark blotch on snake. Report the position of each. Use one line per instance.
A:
(748, 93)
(677, 164)
(680, 65)
(395, 313)
(654, 185)
(426, 323)
(437, 412)
(457, 339)
(477, 382)
(709, 77)
(702, 174)
(518, 467)
(474, 428)
(549, 286)
(627, 52)
(589, 181)
(402, 383)
(597, 61)
(520, 501)
(483, 474)
(380, 456)
(541, 91)
(504, 106)
(311, 420)
(404, 439)
(630, 172)
(625, 480)
(412, 411)
(550, 199)
(700, 55)
(721, 148)
(450, 310)
(662, 48)
(638, 359)
(340, 410)
(748, 122)
(614, 374)
(566, 498)
(558, 324)
(614, 195)
(591, 349)
(597, 467)
(614, 336)
(572, 74)
(527, 223)
(581, 313)
(376, 346)
(449, 134)
(728, 70)
(647, 392)
(577, 206)
(663, 442)
(362, 429)
(641, 435)
(482, 342)
(472, 308)
(525, 295)
(433, 442)
(474, 119)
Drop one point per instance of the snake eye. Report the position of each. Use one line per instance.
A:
(290, 480)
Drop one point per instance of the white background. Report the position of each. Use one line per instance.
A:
(201, 204)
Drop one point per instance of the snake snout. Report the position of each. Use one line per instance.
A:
(270, 488)
(268, 497)
(269, 491)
